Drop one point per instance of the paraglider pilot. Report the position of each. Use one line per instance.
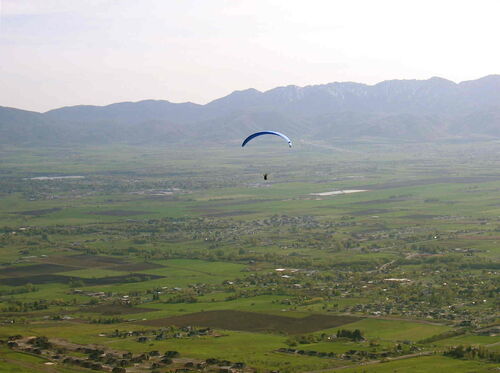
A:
(257, 134)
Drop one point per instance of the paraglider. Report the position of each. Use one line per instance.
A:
(257, 134)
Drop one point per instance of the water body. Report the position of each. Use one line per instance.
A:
(337, 192)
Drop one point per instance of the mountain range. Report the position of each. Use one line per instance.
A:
(413, 110)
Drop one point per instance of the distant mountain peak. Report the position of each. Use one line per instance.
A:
(398, 109)
(235, 100)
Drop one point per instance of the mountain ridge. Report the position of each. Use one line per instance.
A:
(407, 109)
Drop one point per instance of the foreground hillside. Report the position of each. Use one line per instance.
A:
(367, 257)
(410, 110)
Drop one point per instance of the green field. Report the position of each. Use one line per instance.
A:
(424, 365)
(163, 243)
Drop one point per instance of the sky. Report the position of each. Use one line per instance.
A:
(57, 53)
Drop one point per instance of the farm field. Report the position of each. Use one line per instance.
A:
(254, 322)
(425, 364)
(163, 260)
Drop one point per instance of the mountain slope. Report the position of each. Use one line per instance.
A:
(396, 109)
(26, 127)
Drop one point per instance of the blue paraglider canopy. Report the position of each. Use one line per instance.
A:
(257, 134)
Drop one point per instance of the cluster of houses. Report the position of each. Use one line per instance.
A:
(118, 362)
(143, 336)
(353, 355)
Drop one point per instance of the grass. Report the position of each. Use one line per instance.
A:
(93, 273)
(414, 191)
(396, 330)
(253, 321)
(471, 340)
(425, 364)
(16, 362)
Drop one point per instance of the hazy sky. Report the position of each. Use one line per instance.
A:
(66, 52)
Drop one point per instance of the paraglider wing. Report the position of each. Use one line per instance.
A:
(256, 134)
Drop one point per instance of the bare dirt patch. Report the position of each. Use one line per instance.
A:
(85, 261)
(35, 280)
(254, 322)
(228, 213)
(132, 267)
(35, 269)
(133, 277)
(108, 262)
(50, 278)
(38, 212)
